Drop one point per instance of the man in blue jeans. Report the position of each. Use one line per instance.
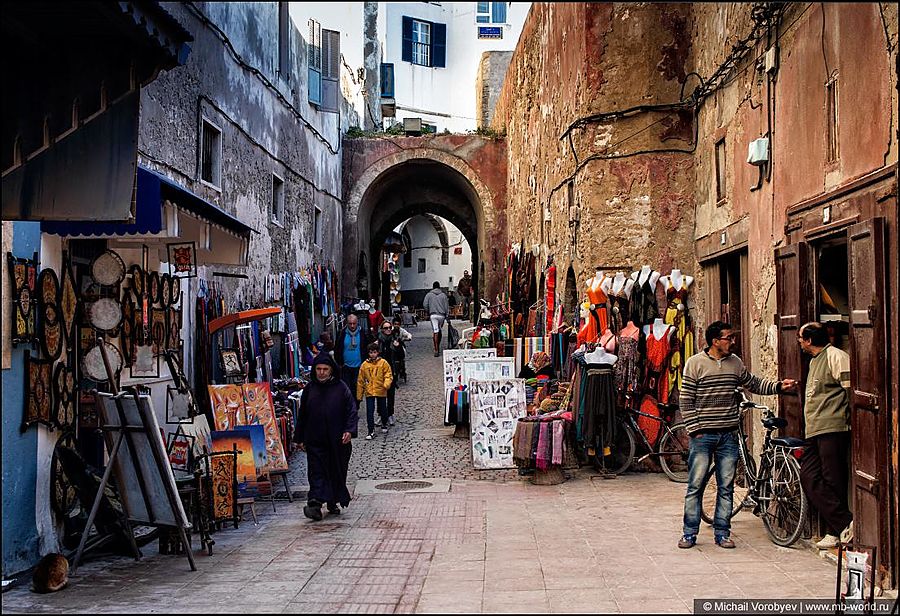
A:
(711, 415)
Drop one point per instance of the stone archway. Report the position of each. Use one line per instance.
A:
(428, 181)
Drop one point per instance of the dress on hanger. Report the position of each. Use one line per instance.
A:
(643, 303)
(683, 342)
(618, 310)
(628, 368)
(597, 298)
(659, 351)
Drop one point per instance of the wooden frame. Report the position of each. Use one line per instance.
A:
(182, 259)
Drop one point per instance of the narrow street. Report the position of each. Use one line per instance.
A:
(474, 542)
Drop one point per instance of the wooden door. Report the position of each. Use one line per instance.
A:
(869, 401)
(793, 299)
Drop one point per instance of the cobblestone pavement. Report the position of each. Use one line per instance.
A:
(419, 445)
(587, 545)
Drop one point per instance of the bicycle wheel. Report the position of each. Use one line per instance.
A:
(711, 489)
(782, 501)
(674, 447)
(621, 453)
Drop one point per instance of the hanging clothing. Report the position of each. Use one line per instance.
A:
(600, 407)
(628, 366)
(618, 311)
(598, 311)
(659, 352)
(550, 297)
(644, 308)
(678, 316)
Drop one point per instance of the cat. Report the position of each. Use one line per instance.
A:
(50, 574)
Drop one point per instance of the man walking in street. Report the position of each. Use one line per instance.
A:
(711, 416)
(464, 288)
(350, 351)
(823, 467)
(438, 307)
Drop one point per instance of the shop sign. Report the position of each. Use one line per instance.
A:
(490, 32)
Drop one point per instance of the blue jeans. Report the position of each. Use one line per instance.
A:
(706, 448)
(371, 401)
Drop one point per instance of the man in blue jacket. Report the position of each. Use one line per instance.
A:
(350, 351)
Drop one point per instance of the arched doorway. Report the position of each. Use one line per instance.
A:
(390, 194)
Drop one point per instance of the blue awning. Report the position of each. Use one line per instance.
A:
(152, 190)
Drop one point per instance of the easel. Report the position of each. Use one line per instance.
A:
(126, 431)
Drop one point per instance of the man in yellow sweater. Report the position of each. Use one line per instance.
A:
(375, 379)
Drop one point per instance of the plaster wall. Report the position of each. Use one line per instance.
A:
(488, 83)
(427, 245)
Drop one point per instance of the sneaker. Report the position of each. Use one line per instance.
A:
(313, 512)
(436, 354)
(391, 420)
(827, 542)
(847, 534)
(384, 429)
(725, 542)
(688, 541)
(370, 436)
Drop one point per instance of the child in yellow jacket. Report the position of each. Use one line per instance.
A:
(375, 379)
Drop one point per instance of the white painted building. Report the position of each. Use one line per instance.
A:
(430, 53)
(438, 251)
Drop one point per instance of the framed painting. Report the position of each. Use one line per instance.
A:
(159, 330)
(222, 483)
(68, 302)
(260, 410)
(183, 259)
(240, 441)
(227, 405)
(64, 393)
(38, 387)
(231, 363)
(179, 447)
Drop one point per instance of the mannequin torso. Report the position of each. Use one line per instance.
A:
(630, 331)
(608, 341)
(620, 285)
(658, 329)
(600, 356)
(677, 280)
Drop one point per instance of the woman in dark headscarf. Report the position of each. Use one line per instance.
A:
(327, 421)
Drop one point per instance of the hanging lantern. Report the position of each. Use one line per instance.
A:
(393, 243)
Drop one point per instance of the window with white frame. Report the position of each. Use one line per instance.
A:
(276, 213)
(421, 42)
(317, 226)
(210, 154)
(490, 12)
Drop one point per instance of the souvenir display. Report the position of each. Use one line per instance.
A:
(23, 281)
(146, 362)
(105, 314)
(183, 259)
(231, 365)
(68, 302)
(108, 269)
(38, 386)
(138, 280)
(159, 330)
(495, 407)
(63, 397)
(227, 405)
(128, 329)
(165, 290)
(50, 332)
(93, 365)
(153, 287)
(174, 329)
(63, 496)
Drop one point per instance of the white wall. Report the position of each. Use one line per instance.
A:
(448, 93)
(426, 245)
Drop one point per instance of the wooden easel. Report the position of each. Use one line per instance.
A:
(125, 431)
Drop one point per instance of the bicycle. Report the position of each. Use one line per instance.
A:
(671, 449)
(773, 490)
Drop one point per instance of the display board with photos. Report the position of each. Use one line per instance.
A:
(495, 407)
(487, 369)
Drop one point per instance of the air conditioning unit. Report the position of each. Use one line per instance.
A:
(412, 125)
(758, 152)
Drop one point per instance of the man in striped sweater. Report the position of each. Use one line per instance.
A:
(711, 415)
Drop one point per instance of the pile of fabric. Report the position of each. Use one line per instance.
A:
(540, 441)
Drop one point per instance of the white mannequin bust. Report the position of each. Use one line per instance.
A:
(596, 279)
(677, 279)
(600, 356)
(658, 329)
(620, 284)
(646, 273)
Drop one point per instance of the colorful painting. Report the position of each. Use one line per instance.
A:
(227, 405)
(183, 259)
(260, 410)
(227, 440)
(222, 468)
(38, 384)
(258, 440)
(179, 448)
(63, 397)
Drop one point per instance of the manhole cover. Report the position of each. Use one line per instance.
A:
(403, 486)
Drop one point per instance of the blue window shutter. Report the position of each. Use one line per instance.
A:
(439, 45)
(315, 86)
(498, 12)
(387, 80)
(407, 39)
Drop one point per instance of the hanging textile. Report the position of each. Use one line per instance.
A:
(550, 297)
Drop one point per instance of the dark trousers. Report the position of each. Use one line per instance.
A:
(350, 376)
(824, 474)
(392, 394)
(371, 403)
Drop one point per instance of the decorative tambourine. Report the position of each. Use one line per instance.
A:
(165, 291)
(108, 269)
(68, 302)
(63, 396)
(128, 329)
(137, 280)
(105, 314)
(50, 331)
(94, 367)
(153, 287)
(176, 290)
(63, 496)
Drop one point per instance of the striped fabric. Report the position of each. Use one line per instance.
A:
(708, 400)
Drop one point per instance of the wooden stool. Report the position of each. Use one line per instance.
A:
(287, 488)
(243, 502)
(548, 477)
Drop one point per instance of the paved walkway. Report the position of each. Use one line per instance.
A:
(588, 545)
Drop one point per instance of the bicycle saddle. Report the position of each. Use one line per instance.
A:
(788, 441)
(774, 423)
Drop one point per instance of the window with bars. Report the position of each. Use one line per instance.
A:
(424, 42)
(211, 154)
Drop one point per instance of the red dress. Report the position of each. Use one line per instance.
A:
(658, 353)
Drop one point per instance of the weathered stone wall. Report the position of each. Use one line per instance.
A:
(488, 84)
(631, 201)
(231, 79)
